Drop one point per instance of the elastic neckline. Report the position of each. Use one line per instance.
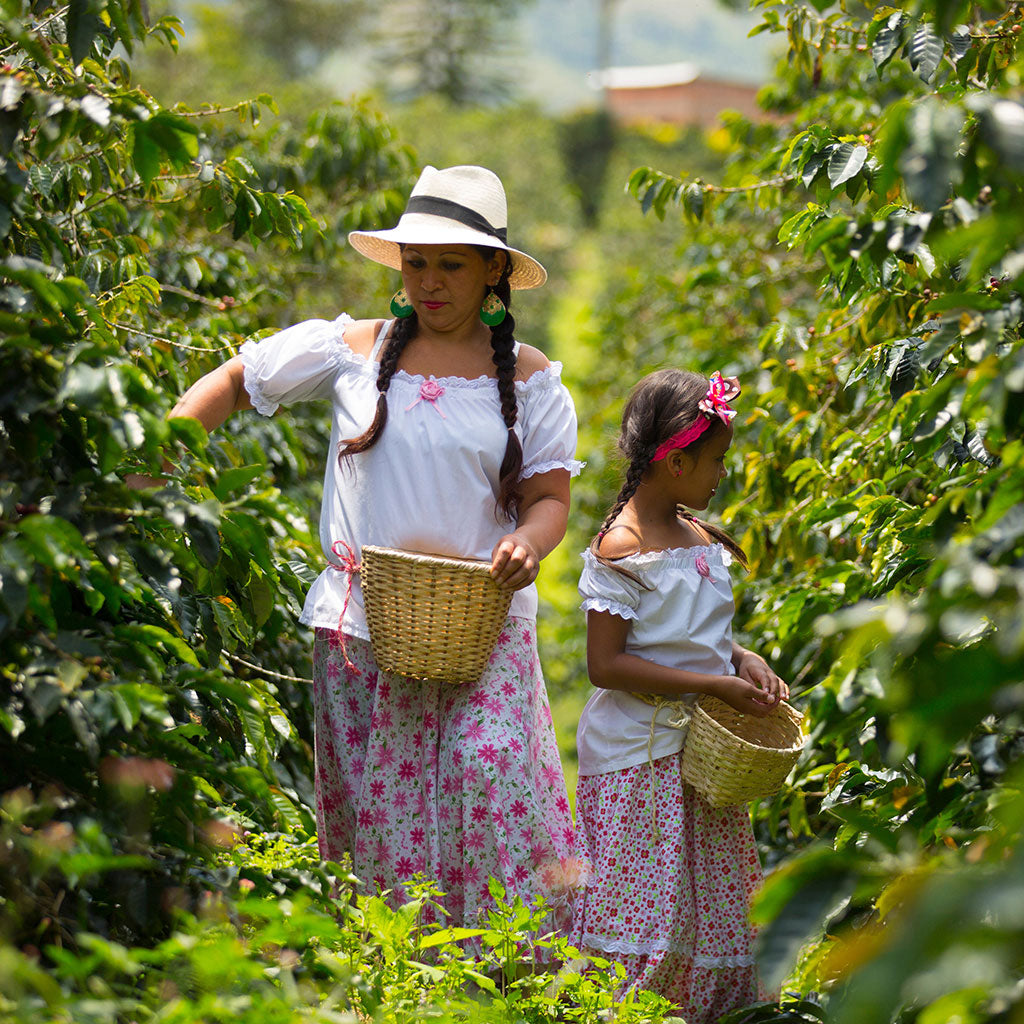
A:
(369, 367)
(686, 555)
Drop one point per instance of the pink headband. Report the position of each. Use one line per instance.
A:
(721, 390)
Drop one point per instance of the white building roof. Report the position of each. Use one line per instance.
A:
(649, 76)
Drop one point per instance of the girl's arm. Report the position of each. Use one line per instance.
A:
(210, 400)
(543, 515)
(755, 669)
(612, 668)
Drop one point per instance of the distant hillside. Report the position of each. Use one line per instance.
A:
(559, 43)
(556, 45)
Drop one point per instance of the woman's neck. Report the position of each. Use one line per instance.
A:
(449, 355)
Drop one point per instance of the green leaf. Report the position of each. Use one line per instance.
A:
(887, 41)
(155, 636)
(846, 161)
(446, 935)
(904, 373)
(693, 200)
(83, 24)
(960, 42)
(176, 136)
(925, 51)
(235, 479)
(814, 164)
(145, 153)
(201, 524)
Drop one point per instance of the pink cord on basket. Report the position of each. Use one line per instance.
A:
(350, 566)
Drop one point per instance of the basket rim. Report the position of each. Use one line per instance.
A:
(793, 714)
(475, 565)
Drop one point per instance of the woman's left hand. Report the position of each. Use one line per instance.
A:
(754, 669)
(514, 562)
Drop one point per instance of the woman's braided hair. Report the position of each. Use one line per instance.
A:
(504, 355)
(662, 404)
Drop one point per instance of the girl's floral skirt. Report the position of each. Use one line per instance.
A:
(667, 895)
(459, 782)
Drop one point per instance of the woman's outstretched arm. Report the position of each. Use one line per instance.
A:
(214, 397)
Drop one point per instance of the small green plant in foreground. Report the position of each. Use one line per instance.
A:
(281, 936)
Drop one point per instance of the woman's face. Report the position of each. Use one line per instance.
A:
(447, 283)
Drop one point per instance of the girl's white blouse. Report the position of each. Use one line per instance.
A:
(683, 621)
(429, 483)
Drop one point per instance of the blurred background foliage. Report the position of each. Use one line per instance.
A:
(857, 262)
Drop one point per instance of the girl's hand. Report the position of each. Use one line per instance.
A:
(754, 669)
(514, 562)
(744, 696)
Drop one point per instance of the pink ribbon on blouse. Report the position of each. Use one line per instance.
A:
(700, 563)
(430, 391)
(348, 564)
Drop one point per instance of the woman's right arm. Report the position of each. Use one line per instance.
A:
(210, 400)
(610, 667)
(215, 395)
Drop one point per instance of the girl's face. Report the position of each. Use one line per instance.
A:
(446, 283)
(698, 474)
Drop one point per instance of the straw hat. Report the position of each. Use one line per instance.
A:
(463, 205)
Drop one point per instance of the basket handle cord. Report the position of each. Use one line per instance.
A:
(350, 565)
(680, 719)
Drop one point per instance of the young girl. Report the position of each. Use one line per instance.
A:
(668, 876)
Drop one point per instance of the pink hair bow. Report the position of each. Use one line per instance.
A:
(721, 391)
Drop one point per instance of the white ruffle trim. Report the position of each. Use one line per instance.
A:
(656, 946)
(602, 604)
(574, 466)
(548, 377)
(250, 355)
(714, 554)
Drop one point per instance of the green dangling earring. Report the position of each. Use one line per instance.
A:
(492, 312)
(400, 304)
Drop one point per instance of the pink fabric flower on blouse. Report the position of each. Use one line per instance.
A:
(430, 391)
(702, 567)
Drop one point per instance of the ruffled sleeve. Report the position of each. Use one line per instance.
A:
(549, 424)
(296, 364)
(605, 590)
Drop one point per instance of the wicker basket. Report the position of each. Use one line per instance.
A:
(731, 758)
(431, 617)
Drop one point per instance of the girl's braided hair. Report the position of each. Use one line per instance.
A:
(662, 404)
(504, 356)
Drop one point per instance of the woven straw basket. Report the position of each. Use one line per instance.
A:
(431, 617)
(731, 758)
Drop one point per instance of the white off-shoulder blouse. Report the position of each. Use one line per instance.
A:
(430, 482)
(683, 621)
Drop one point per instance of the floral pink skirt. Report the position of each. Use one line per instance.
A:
(670, 906)
(458, 782)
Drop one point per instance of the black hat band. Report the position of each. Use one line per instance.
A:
(455, 211)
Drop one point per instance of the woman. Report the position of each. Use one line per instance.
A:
(448, 437)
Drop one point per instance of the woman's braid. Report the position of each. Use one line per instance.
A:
(401, 334)
(504, 355)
